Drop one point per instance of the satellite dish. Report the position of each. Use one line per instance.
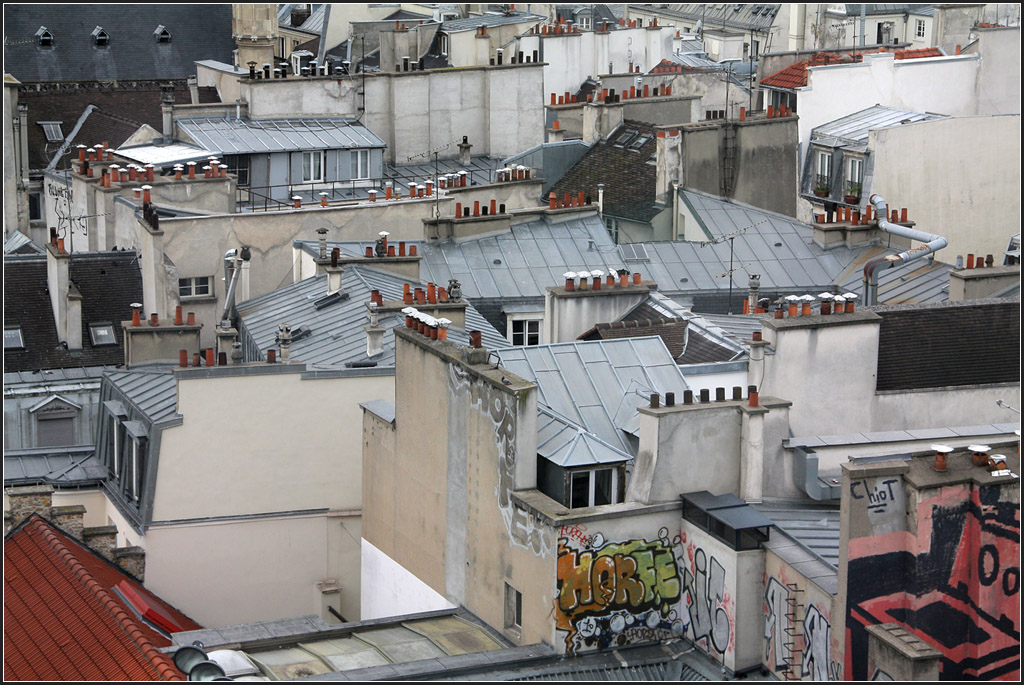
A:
(187, 657)
(206, 670)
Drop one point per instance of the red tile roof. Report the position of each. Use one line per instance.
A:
(64, 621)
(795, 75)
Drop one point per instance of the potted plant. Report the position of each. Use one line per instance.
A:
(852, 196)
(822, 188)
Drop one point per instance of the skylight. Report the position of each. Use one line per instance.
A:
(624, 137)
(13, 339)
(634, 252)
(52, 131)
(102, 334)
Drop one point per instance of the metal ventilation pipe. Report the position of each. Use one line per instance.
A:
(932, 243)
(232, 269)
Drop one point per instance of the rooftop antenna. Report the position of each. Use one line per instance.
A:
(434, 151)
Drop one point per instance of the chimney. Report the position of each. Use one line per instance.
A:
(941, 457)
(131, 560)
(65, 300)
(374, 333)
(754, 286)
(464, 148)
(26, 500)
(167, 109)
(284, 340)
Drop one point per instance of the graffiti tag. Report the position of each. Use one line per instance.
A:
(705, 600)
(775, 623)
(817, 633)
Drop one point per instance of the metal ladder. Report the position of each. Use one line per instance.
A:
(794, 632)
(728, 160)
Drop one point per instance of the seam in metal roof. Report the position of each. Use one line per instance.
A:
(244, 136)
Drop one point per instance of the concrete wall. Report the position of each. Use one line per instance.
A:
(723, 607)
(301, 96)
(903, 84)
(394, 591)
(997, 90)
(798, 637)
(299, 509)
(976, 209)
(569, 314)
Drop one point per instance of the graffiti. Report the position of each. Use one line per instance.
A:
(879, 674)
(705, 602)
(954, 585)
(817, 632)
(523, 528)
(884, 500)
(613, 594)
(776, 651)
(576, 533)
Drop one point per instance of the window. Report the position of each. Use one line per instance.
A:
(756, 51)
(239, 166)
(313, 166)
(584, 21)
(444, 43)
(854, 176)
(593, 488)
(513, 608)
(45, 37)
(162, 35)
(52, 131)
(920, 28)
(360, 164)
(525, 332)
(35, 206)
(199, 286)
(823, 180)
(102, 334)
(13, 339)
(100, 37)
(55, 431)
(613, 228)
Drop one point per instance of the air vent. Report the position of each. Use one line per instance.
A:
(328, 300)
(300, 332)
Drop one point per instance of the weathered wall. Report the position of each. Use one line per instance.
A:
(939, 555)
(798, 637)
(324, 96)
(912, 166)
(567, 315)
(997, 90)
(620, 582)
(722, 604)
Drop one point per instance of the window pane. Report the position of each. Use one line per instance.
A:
(12, 339)
(102, 335)
(603, 487)
(580, 494)
(184, 287)
(55, 432)
(202, 285)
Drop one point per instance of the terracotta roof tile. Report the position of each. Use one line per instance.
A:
(63, 621)
(795, 75)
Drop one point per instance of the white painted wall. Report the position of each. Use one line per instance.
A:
(959, 178)
(834, 91)
(391, 590)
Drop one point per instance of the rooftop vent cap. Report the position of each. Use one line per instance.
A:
(100, 37)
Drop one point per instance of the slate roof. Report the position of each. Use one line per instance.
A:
(957, 343)
(107, 113)
(629, 181)
(65, 620)
(806, 537)
(109, 283)
(201, 31)
(69, 466)
(598, 385)
(853, 10)
(313, 23)
(337, 335)
(17, 242)
(245, 136)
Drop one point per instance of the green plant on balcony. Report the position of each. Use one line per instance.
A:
(852, 196)
(822, 187)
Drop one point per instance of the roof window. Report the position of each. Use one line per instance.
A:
(100, 37)
(625, 137)
(45, 37)
(52, 130)
(102, 334)
(13, 339)
(639, 141)
(634, 252)
(162, 35)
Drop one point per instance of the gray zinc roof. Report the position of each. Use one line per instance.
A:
(53, 465)
(244, 136)
(471, 23)
(568, 445)
(600, 384)
(807, 538)
(337, 335)
(853, 129)
(154, 392)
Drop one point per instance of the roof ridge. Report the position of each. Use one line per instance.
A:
(160, 661)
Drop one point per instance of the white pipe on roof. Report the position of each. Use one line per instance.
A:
(932, 243)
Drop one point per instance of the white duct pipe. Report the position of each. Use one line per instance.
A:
(932, 243)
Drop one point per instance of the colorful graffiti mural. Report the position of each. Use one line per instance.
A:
(611, 594)
(954, 584)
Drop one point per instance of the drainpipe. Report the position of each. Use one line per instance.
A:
(675, 210)
(932, 243)
(805, 476)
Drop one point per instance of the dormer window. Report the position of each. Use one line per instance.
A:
(52, 131)
(44, 37)
(100, 37)
(162, 35)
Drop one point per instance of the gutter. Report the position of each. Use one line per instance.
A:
(932, 243)
(805, 476)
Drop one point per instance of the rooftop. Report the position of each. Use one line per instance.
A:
(132, 51)
(336, 336)
(57, 466)
(246, 136)
(153, 392)
(795, 75)
(743, 16)
(109, 283)
(853, 129)
(807, 538)
(67, 615)
(490, 20)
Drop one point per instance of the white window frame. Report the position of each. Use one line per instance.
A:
(584, 21)
(920, 28)
(193, 284)
(824, 164)
(444, 44)
(310, 159)
(136, 481)
(52, 130)
(360, 165)
(117, 445)
(855, 170)
(592, 485)
(94, 327)
(524, 323)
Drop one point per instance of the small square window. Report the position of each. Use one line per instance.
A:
(513, 608)
(102, 334)
(52, 131)
(13, 339)
(525, 332)
(198, 286)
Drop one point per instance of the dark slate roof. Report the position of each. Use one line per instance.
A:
(956, 343)
(197, 32)
(629, 181)
(108, 113)
(672, 332)
(108, 281)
